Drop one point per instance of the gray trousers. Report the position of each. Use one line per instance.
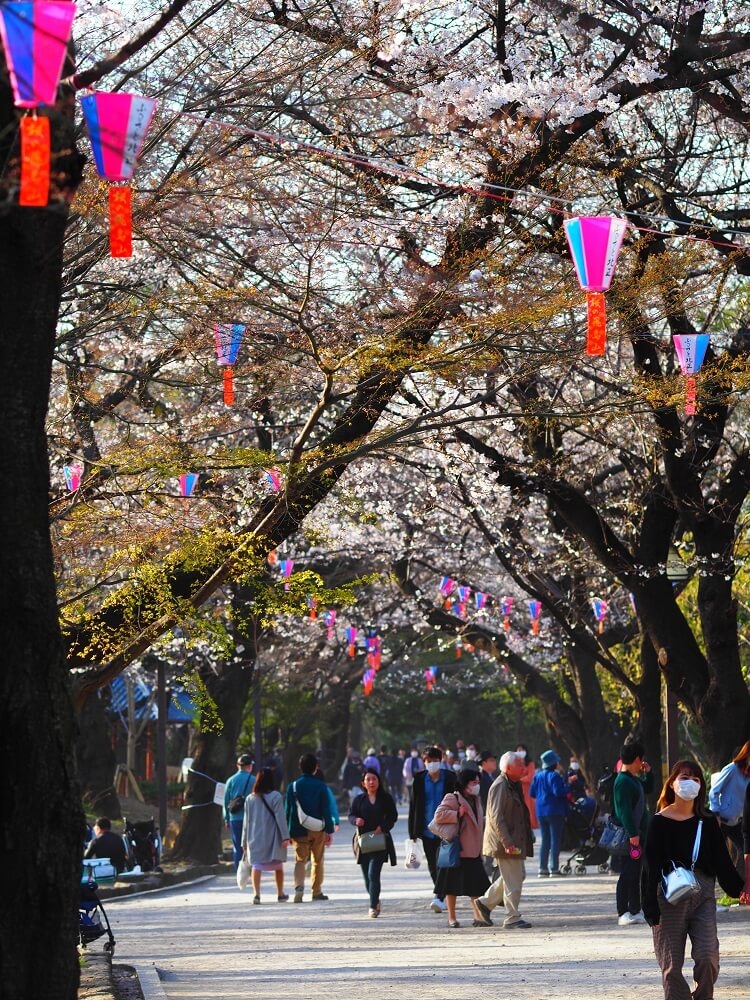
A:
(693, 917)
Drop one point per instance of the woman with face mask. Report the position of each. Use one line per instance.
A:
(460, 814)
(670, 841)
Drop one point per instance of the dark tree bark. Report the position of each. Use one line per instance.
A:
(96, 760)
(42, 819)
(214, 754)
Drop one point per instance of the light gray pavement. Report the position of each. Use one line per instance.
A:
(209, 942)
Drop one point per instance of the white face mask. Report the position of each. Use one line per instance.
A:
(415, 753)
(471, 753)
(433, 766)
(687, 788)
(473, 788)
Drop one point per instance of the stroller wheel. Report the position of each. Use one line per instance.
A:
(603, 868)
(110, 947)
(566, 869)
(580, 869)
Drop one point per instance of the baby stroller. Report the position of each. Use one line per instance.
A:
(93, 921)
(144, 844)
(580, 830)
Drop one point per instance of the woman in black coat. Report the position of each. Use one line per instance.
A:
(373, 811)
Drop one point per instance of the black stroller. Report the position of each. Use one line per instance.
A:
(93, 921)
(581, 836)
(144, 844)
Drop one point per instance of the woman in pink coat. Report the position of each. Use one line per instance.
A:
(460, 814)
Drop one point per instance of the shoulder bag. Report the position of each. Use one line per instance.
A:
(273, 817)
(238, 802)
(614, 838)
(449, 852)
(311, 823)
(370, 843)
(681, 882)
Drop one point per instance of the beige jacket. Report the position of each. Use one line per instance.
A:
(470, 829)
(508, 823)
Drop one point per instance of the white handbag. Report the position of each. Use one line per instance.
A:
(309, 822)
(681, 882)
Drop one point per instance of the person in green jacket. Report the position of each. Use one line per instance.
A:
(633, 782)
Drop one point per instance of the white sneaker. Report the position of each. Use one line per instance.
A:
(627, 919)
(436, 906)
(638, 917)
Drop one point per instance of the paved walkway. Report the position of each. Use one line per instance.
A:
(210, 943)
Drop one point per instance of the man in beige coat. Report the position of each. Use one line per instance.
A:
(508, 838)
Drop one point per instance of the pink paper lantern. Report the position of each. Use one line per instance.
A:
(594, 243)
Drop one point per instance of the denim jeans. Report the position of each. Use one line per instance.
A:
(549, 852)
(235, 829)
(371, 865)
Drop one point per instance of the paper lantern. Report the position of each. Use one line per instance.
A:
(594, 243)
(600, 611)
(506, 606)
(330, 621)
(35, 38)
(271, 476)
(535, 610)
(351, 640)
(430, 676)
(72, 475)
(691, 351)
(188, 481)
(286, 566)
(228, 338)
(312, 605)
(117, 125)
(480, 600)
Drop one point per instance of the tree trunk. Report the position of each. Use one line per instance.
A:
(214, 754)
(96, 759)
(42, 819)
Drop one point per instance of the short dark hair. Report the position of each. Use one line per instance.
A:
(104, 823)
(433, 753)
(630, 751)
(308, 763)
(244, 760)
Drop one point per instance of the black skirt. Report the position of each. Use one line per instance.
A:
(470, 879)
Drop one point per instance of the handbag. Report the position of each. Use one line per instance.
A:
(614, 838)
(311, 823)
(370, 843)
(681, 882)
(449, 854)
(243, 872)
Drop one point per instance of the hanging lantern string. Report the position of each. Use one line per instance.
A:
(495, 192)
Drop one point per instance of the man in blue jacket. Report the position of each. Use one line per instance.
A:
(236, 790)
(308, 815)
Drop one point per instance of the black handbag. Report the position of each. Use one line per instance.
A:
(614, 838)
(370, 843)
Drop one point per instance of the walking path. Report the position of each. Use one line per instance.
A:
(209, 942)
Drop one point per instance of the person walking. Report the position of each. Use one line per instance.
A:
(265, 834)
(429, 789)
(310, 822)
(551, 797)
(727, 797)
(373, 811)
(236, 791)
(633, 782)
(682, 821)
(508, 838)
(460, 815)
(528, 776)
(412, 766)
